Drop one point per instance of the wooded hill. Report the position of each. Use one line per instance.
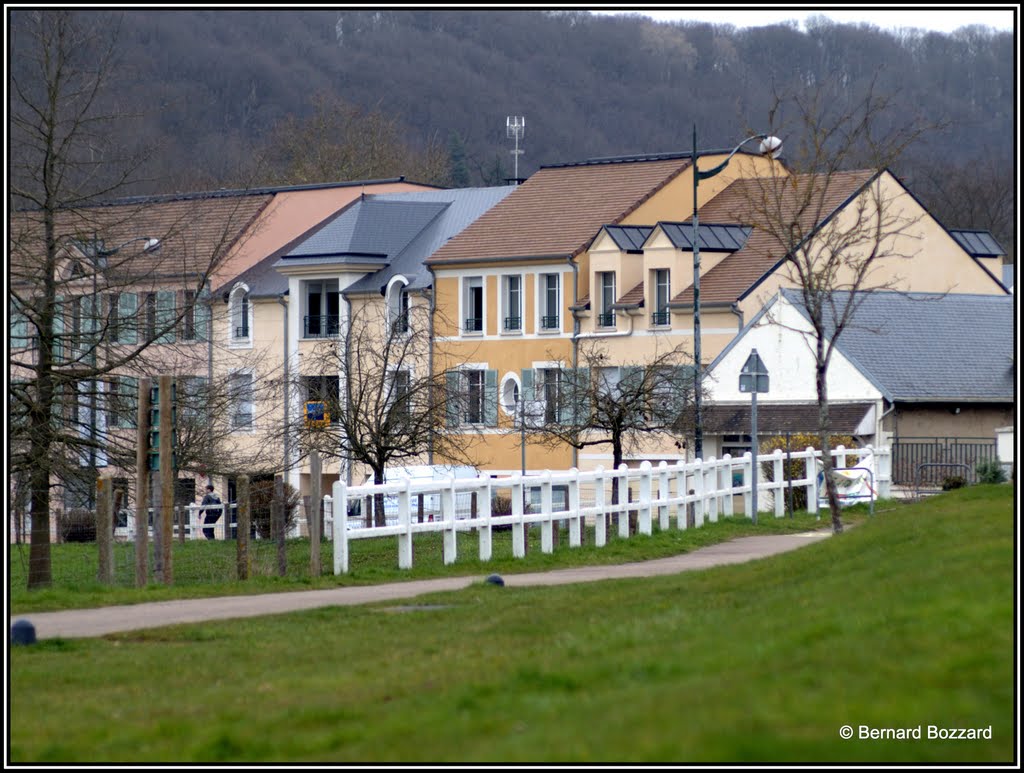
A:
(215, 85)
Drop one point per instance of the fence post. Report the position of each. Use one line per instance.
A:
(601, 517)
(518, 528)
(244, 528)
(448, 516)
(711, 492)
(811, 476)
(663, 495)
(884, 468)
(698, 491)
(682, 508)
(726, 484)
(313, 512)
(339, 527)
(105, 529)
(840, 455)
(748, 481)
(547, 525)
(644, 511)
(780, 484)
(622, 506)
(485, 531)
(574, 507)
(405, 522)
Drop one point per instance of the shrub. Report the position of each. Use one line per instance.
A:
(261, 494)
(990, 471)
(77, 525)
(796, 468)
(951, 482)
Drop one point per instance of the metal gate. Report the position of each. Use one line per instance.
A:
(908, 453)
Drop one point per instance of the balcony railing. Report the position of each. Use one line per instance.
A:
(242, 332)
(513, 323)
(660, 318)
(474, 325)
(322, 326)
(400, 324)
(549, 323)
(606, 320)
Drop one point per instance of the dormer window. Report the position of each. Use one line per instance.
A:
(398, 307)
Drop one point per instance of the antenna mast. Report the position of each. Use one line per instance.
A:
(515, 127)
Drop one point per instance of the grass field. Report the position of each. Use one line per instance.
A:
(204, 568)
(905, 621)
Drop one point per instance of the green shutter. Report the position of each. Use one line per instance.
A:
(128, 389)
(202, 315)
(58, 329)
(19, 326)
(165, 313)
(127, 325)
(574, 409)
(491, 398)
(453, 398)
(529, 386)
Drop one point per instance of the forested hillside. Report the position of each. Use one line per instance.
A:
(223, 90)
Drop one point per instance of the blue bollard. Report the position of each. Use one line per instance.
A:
(23, 632)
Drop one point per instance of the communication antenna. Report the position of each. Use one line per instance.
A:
(515, 127)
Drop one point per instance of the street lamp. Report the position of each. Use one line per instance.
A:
(753, 379)
(770, 146)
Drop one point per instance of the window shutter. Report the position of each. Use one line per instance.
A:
(575, 407)
(19, 326)
(453, 399)
(165, 312)
(127, 325)
(491, 398)
(202, 315)
(529, 387)
(57, 350)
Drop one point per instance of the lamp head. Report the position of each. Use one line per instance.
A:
(770, 146)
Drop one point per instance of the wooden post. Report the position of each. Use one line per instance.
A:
(166, 480)
(142, 485)
(313, 513)
(243, 518)
(105, 529)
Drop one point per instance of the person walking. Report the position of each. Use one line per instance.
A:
(212, 509)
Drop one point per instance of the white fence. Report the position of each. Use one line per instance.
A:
(707, 487)
(195, 528)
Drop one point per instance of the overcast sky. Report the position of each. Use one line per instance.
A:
(937, 18)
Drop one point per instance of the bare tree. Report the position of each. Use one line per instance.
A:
(834, 225)
(606, 402)
(389, 405)
(95, 290)
(341, 141)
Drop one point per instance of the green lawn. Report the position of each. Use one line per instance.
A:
(905, 621)
(203, 568)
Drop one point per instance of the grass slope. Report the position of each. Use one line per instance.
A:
(905, 621)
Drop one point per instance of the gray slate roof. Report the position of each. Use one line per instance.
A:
(926, 346)
(396, 230)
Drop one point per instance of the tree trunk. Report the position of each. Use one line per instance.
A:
(378, 499)
(826, 448)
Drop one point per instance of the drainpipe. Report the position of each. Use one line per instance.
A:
(348, 353)
(575, 338)
(286, 471)
(735, 309)
(430, 356)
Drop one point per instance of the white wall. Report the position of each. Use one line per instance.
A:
(788, 356)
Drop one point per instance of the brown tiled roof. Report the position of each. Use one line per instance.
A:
(728, 280)
(634, 297)
(559, 210)
(776, 419)
(193, 231)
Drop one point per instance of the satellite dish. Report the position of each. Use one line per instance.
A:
(152, 244)
(771, 146)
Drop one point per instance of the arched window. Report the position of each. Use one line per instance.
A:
(240, 315)
(398, 305)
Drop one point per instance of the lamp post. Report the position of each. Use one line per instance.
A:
(770, 146)
(753, 379)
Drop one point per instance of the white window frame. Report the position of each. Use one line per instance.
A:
(251, 426)
(397, 294)
(234, 299)
(504, 305)
(542, 305)
(466, 284)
